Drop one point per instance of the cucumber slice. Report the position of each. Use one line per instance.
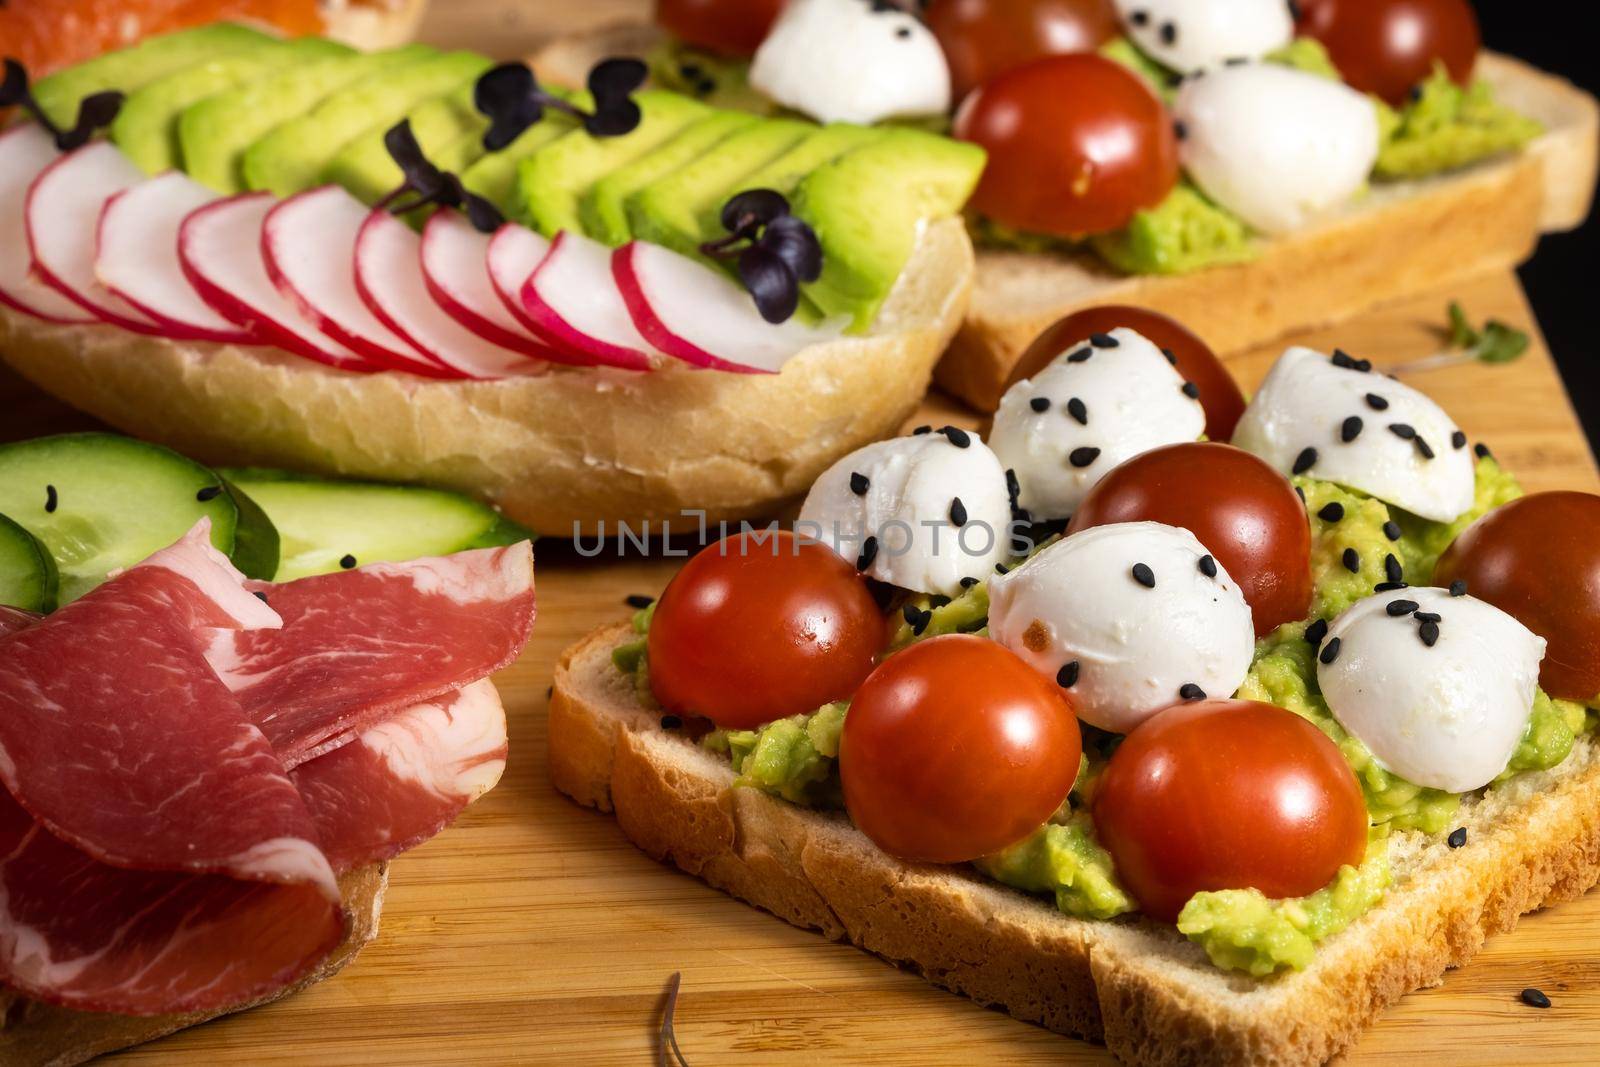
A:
(100, 502)
(326, 524)
(27, 573)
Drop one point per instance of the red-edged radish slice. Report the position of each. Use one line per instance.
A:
(26, 150)
(137, 258)
(219, 249)
(575, 304)
(455, 258)
(63, 211)
(389, 279)
(701, 316)
(309, 243)
(515, 252)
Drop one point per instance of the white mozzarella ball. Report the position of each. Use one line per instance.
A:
(1333, 420)
(1083, 612)
(920, 512)
(1446, 715)
(851, 61)
(1101, 402)
(1278, 147)
(1188, 35)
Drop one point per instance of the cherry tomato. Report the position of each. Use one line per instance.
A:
(1389, 46)
(954, 749)
(727, 27)
(1219, 393)
(1077, 144)
(982, 38)
(760, 627)
(1537, 558)
(1227, 794)
(1246, 514)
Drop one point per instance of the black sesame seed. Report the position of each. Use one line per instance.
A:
(1083, 457)
(968, 582)
(259, 595)
(1301, 493)
(958, 511)
(670, 722)
(1331, 512)
(957, 436)
(50, 499)
(1481, 450)
(869, 552)
(1316, 632)
(1389, 587)
(859, 483)
(1429, 616)
(1458, 440)
(1429, 632)
(1190, 691)
(1391, 530)
(1350, 429)
(1305, 460)
(1392, 569)
(1458, 587)
(1403, 430)
(1425, 449)
(1169, 33)
(1330, 651)
(639, 600)
(1139, 18)
(1397, 608)
(1191, 390)
(1172, 357)
(347, 561)
(1343, 359)
(1080, 356)
(1079, 411)
(1001, 568)
(1457, 838)
(1376, 402)
(1351, 560)
(1067, 676)
(210, 492)
(916, 618)
(1179, 129)
(1104, 340)
(1013, 487)
(1040, 403)
(1535, 998)
(903, 31)
(920, 430)
(1208, 566)
(1144, 575)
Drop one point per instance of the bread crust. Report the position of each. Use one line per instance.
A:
(1141, 989)
(562, 452)
(372, 24)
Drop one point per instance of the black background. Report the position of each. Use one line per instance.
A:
(1561, 278)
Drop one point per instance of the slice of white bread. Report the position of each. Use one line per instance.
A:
(1400, 239)
(1150, 995)
(561, 451)
(33, 1034)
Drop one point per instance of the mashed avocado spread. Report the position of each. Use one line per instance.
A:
(1445, 126)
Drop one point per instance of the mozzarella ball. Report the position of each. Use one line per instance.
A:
(1188, 35)
(1338, 421)
(920, 512)
(1101, 402)
(1128, 619)
(1278, 147)
(1446, 714)
(851, 61)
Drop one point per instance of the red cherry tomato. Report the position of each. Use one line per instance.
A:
(727, 27)
(1246, 514)
(757, 628)
(1389, 46)
(1219, 393)
(982, 38)
(1227, 794)
(1537, 558)
(954, 749)
(1077, 144)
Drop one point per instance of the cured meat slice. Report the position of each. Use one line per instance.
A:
(405, 779)
(358, 646)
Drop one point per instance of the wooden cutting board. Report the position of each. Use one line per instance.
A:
(532, 932)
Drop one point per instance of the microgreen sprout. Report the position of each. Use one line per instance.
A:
(95, 111)
(775, 251)
(511, 96)
(430, 185)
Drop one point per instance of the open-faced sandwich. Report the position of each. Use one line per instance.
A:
(584, 307)
(218, 724)
(1206, 750)
(1247, 166)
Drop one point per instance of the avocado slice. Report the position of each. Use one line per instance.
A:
(604, 211)
(785, 172)
(364, 166)
(146, 129)
(554, 179)
(865, 207)
(292, 157)
(133, 68)
(214, 133)
(494, 176)
(669, 211)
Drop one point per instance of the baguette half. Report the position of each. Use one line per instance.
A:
(1143, 990)
(1401, 239)
(567, 451)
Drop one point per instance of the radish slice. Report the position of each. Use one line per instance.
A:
(219, 249)
(309, 243)
(137, 258)
(455, 258)
(515, 252)
(575, 304)
(26, 150)
(389, 279)
(702, 316)
(63, 210)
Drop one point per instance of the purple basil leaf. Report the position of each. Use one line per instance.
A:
(484, 216)
(510, 96)
(14, 89)
(755, 205)
(615, 78)
(613, 119)
(770, 282)
(796, 244)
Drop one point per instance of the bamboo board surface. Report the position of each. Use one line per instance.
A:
(532, 932)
